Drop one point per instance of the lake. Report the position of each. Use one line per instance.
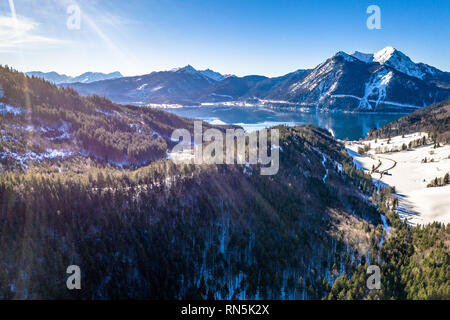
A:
(342, 125)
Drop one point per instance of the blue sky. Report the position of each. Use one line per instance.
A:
(230, 36)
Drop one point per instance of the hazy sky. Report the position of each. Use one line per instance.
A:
(230, 36)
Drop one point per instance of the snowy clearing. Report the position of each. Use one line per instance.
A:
(409, 174)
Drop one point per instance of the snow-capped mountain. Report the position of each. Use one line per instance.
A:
(86, 77)
(392, 57)
(216, 76)
(89, 77)
(177, 86)
(50, 76)
(399, 61)
(386, 80)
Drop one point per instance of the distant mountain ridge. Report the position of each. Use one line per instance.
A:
(207, 72)
(387, 80)
(86, 77)
(181, 85)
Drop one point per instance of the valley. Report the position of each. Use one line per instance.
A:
(406, 170)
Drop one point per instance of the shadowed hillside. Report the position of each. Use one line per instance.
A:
(434, 119)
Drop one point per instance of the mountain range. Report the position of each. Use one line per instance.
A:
(86, 77)
(182, 85)
(387, 80)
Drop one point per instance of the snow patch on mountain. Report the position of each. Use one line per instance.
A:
(142, 86)
(30, 156)
(326, 87)
(376, 88)
(384, 55)
(156, 88)
(63, 130)
(6, 108)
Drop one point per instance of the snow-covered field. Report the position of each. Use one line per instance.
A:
(410, 175)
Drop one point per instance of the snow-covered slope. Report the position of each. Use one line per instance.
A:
(208, 73)
(399, 61)
(212, 74)
(407, 171)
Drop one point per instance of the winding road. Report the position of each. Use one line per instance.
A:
(384, 171)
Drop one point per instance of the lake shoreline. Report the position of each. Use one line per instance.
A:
(278, 109)
(343, 125)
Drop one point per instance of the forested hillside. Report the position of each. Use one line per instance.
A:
(184, 231)
(434, 119)
(414, 262)
(40, 121)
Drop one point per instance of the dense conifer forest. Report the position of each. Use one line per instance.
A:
(434, 120)
(414, 261)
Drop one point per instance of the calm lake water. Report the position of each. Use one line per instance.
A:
(343, 125)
